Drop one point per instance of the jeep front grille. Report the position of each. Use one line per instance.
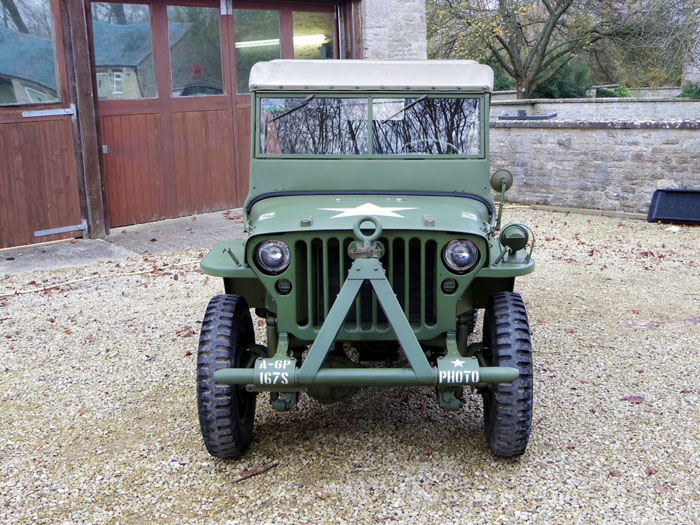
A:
(322, 265)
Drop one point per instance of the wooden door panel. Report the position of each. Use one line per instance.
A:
(134, 175)
(203, 154)
(38, 190)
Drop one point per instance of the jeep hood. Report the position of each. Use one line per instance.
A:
(460, 213)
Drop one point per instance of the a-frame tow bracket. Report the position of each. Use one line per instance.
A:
(280, 372)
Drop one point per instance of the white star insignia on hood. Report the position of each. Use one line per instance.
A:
(367, 209)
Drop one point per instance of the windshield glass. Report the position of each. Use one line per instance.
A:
(426, 126)
(313, 126)
(326, 125)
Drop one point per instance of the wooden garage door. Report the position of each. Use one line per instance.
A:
(38, 172)
(174, 111)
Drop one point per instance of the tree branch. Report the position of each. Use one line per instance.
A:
(540, 47)
(502, 61)
(15, 15)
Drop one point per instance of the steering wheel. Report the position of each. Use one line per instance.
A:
(435, 141)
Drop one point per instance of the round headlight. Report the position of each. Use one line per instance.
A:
(460, 255)
(273, 256)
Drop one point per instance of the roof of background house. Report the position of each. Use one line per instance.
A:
(445, 75)
(128, 45)
(31, 57)
(27, 57)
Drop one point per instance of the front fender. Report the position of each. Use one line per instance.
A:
(227, 259)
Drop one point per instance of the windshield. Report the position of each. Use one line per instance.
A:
(326, 125)
(318, 126)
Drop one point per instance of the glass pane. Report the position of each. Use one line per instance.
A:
(27, 55)
(313, 126)
(426, 126)
(257, 40)
(195, 51)
(313, 35)
(123, 51)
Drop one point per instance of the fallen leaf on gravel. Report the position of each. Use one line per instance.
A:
(661, 489)
(635, 400)
(320, 494)
(651, 471)
(185, 331)
(67, 331)
(640, 325)
(615, 474)
(82, 410)
(256, 471)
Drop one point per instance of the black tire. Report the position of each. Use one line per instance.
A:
(508, 406)
(226, 413)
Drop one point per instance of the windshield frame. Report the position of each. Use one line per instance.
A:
(370, 96)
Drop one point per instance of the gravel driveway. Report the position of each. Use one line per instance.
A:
(99, 424)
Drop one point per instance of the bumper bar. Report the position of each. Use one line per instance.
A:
(282, 377)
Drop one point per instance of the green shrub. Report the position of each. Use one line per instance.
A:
(691, 90)
(604, 93)
(501, 79)
(618, 92)
(571, 81)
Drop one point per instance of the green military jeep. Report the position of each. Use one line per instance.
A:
(372, 243)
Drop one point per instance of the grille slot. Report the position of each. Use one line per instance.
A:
(322, 265)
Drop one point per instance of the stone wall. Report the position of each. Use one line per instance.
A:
(596, 164)
(393, 29)
(602, 108)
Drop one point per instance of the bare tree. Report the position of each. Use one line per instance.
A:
(117, 11)
(11, 9)
(533, 40)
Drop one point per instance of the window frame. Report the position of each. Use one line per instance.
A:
(370, 96)
(117, 76)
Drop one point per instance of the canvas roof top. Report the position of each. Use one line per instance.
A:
(443, 75)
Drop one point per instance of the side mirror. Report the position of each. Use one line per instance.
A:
(501, 181)
(501, 177)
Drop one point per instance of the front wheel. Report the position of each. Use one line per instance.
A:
(508, 406)
(226, 413)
